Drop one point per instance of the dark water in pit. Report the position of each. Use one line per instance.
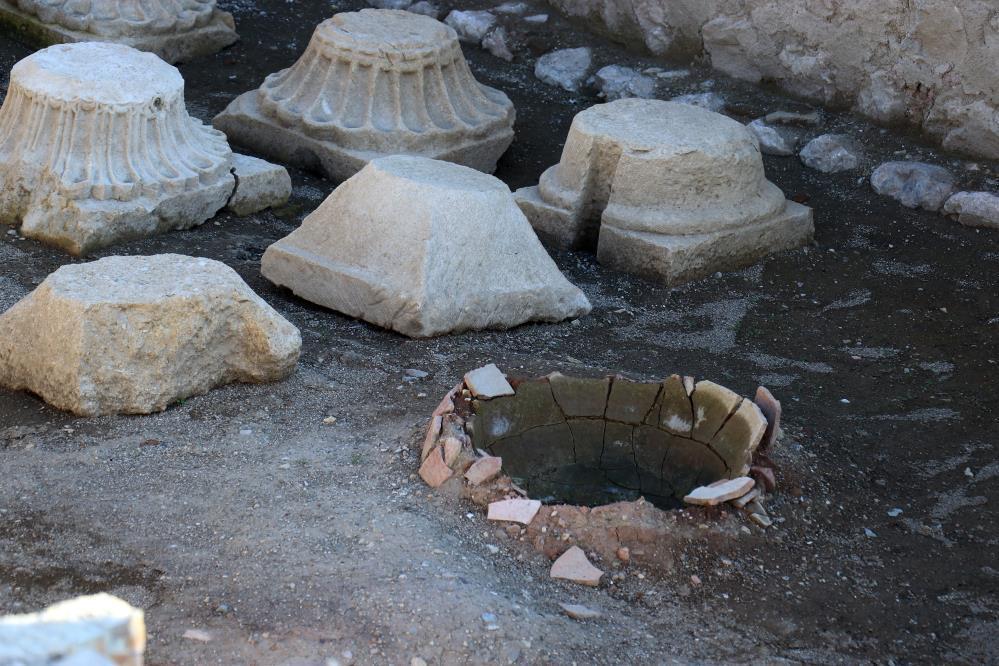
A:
(583, 485)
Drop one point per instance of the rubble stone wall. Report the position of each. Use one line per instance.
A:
(930, 63)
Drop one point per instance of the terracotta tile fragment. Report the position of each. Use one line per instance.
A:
(433, 470)
(484, 469)
(514, 510)
(574, 566)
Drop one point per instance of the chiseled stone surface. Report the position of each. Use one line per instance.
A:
(574, 566)
(720, 492)
(175, 30)
(974, 209)
(112, 182)
(400, 70)
(259, 185)
(94, 629)
(914, 184)
(930, 63)
(671, 191)
(136, 334)
(391, 245)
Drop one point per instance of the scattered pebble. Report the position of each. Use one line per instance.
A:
(579, 612)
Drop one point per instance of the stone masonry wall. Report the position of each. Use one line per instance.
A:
(930, 63)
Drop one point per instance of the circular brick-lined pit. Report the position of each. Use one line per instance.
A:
(601, 456)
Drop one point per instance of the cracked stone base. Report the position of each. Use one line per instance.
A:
(677, 259)
(245, 125)
(556, 226)
(219, 33)
(80, 227)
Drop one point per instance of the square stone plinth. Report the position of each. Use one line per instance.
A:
(246, 125)
(677, 259)
(217, 34)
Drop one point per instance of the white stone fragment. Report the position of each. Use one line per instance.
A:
(511, 8)
(773, 141)
(617, 82)
(974, 209)
(914, 184)
(471, 26)
(259, 185)
(135, 334)
(373, 83)
(96, 146)
(721, 492)
(667, 190)
(86, 631)
(488, 382)
(175, 30)
(425, 8)
(536, 19)
(565, 68)
(496, 43)
(425, 248)
(831, 153)
(707, 100)
(390, 4)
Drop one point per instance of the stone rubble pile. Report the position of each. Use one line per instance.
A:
(374, 83)
(175, 30)
(97, 147)
(96, 630)
(392, 244)
(133, 335)
(665, 190)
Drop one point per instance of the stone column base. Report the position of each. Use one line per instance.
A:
(171, 47)
(244, 124)
(677, 259)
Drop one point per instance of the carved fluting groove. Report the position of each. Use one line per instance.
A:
(375, 79)
(127, 137)
(117, 18)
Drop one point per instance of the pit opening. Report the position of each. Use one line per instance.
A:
(591, 442)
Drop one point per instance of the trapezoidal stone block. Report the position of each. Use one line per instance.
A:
(97, 147)
(423, 247)
(175, 30)
(666, 190)
(135, 334)
(374, 83)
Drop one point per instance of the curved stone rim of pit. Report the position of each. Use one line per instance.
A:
(449, 448)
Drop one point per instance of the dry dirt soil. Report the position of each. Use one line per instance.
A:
(240, 514)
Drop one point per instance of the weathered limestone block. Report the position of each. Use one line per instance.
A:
(175, 30)
(425, 248)
(96, 629)
(672, 191)
(136, 334)
(974, 209)
(374, 83)
(96, 147)
(259, 185)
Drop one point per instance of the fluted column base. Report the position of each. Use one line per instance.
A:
(84, 225)
(244, 123)
(176, 47)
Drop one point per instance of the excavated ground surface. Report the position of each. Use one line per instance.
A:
(239, 513)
